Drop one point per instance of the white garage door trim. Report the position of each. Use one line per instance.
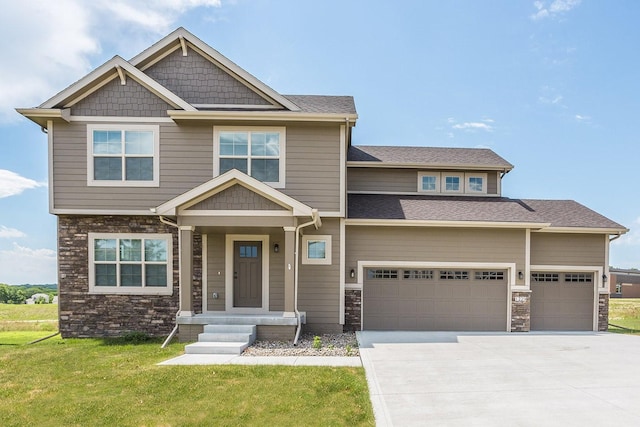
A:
(599, 286)
(509, 266)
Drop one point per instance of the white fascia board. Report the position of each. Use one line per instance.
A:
(585, 230)
(452, 224)
(357, 164)
(217, 57)
(292, 116)
(226, 180)
(42, 116)
(132, 71)
(127, 212)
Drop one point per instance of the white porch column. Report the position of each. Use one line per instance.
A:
(289, 271)
(186, 270)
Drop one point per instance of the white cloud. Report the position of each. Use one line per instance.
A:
(49, 44)
(582, 118)
(545, 9)
(21, 265)
(473, 126)
(10, 233)
(12, 184)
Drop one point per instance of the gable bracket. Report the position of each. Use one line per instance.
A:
(183, 43)
(122, 75)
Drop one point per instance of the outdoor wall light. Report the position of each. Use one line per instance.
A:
(276, 248)
(520, 275)
(604, 278)
(352, 274)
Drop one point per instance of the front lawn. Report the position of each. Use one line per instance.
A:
(624, 315)
(81, 382)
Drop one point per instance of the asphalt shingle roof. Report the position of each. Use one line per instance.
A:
(431, 156)
(324, 104)
(559, 213)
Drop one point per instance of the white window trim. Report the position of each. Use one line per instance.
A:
(119, 290)
(91, 182)
(475, 175)
(273, 129)
(316, 238)
(443, 185)
(434, 174)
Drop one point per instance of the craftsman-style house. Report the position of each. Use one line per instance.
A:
(190, 193)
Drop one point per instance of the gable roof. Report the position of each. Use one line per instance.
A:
(225, 181)
(107, 72)
(182, 36)
(440, 157)
(564, 215)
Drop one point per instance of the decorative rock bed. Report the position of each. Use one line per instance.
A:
(344, 344)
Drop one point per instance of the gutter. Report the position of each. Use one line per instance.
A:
(175, 328)
(315, 220)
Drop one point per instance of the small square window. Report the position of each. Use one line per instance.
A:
(452, 183)
(316, 250)
(476, 183)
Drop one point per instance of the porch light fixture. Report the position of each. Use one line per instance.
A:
(276, 248)
(352, 274)
(604, 278)
(520, 275)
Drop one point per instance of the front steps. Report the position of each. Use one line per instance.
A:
(223, 339)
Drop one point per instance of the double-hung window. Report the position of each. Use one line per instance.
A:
(130, 264)
(255, 151)
(123, 155)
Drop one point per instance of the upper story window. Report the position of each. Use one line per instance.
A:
(130, 263)
(258, 152)
(123, 155)
(452, 182)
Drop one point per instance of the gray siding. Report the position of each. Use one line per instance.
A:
(567, 249)
(186, 161)
(398, 180)
(236, 197)
(198, 81)
(115, 99)
(313, 166)
(319, 285)
(433, 245)
(186, 155)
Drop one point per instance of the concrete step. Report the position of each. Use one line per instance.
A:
(216, 348)
(226, 337)
(232, 329)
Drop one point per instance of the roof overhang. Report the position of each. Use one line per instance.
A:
(42, 115)
(449, 224)
(585, 230)
(268, 116)
(226, 180)
(371, 164)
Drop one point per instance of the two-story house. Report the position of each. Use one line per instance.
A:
(188, 193)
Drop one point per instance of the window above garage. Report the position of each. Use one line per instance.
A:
(452, 183)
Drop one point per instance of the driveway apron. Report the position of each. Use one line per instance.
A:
(502, 379)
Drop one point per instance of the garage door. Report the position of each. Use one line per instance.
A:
(562, 301)
(434, 300)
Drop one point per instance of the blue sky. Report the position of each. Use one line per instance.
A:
(552, 86)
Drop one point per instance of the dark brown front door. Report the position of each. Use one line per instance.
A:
(247, 274)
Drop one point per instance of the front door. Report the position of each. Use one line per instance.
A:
(247, 274)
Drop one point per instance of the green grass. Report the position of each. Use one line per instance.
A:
(41, 318)
(110, 382)
(624, 313)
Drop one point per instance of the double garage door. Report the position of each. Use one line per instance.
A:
(471, 300)
(434, 300)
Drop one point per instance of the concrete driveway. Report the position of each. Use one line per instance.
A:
(502, 379)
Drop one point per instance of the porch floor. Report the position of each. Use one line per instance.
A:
(274, 318)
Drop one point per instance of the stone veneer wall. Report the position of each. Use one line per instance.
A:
(603, 312)
(90, 315)
(352, 310)
(520, 311)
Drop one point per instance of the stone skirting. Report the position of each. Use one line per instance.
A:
(603, 312)
(521, 311)
(352, 310)
(84, 315)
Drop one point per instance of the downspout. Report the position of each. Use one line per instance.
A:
(175, 328)
(315, 220)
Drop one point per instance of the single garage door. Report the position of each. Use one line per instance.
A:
(562, 301)
(434, 300)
